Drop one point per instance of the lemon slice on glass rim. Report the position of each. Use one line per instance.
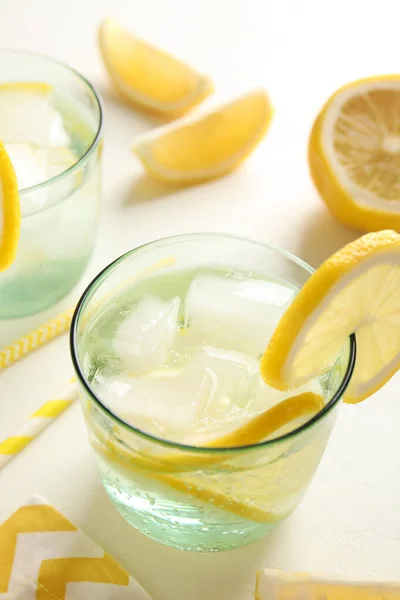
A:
(357, 290)
(10, 212)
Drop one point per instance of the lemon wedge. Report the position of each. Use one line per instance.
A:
(10, 213)
(147, 76)
(354, 153)
(210, 146)
(357, 290)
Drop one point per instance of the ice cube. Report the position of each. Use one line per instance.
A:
(233, 374)
(29, 117)
(145, 336)
(60, 158)
(229, 313)
(31, 168)
(132, 398)
(191, 403)
(161, 402)
(30, 164)
(58, 137)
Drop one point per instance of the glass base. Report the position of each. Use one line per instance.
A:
(193, 528)
(28, 294)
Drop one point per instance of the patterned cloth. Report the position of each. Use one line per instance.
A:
(44, 557)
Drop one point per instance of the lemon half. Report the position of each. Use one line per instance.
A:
(354, 153)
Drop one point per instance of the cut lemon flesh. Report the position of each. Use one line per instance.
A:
(147, 76)
(209, 146)
(357, 290)
(354, 153)
(10, 213)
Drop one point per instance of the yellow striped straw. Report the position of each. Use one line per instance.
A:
(34, 340)
(40, 419)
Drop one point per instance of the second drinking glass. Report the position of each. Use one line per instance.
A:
(51, 126)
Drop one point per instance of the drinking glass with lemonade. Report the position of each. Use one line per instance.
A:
(194, 449)
(50, 125)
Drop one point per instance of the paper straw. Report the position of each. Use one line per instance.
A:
(46, 414)
(37, 338)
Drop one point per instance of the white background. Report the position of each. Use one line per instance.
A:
(349, 522)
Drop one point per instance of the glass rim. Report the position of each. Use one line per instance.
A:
(96, 138)
(96, 282)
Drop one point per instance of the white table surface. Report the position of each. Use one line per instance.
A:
(349, 522)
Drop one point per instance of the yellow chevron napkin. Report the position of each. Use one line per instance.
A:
(44, 557)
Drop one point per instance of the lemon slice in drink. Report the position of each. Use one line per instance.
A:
(10, 213)
(258, 428)
(357, 290)
(188, 473)
(34, 87)
(147, 76)
(354, 153)
(210, 146)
